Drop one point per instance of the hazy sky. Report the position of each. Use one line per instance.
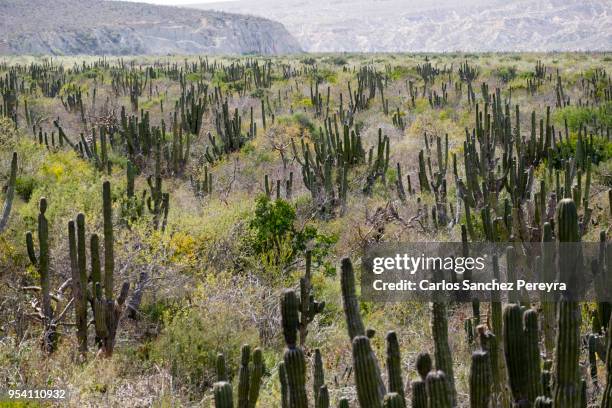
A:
(177, 2)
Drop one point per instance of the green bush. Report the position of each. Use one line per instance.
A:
(273, 233)
(575, 116)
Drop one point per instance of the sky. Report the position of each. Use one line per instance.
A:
(177, 2)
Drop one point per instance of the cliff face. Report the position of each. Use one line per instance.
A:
(68, 27)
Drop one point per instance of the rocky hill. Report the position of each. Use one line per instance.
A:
(68, 27)
(438, 25)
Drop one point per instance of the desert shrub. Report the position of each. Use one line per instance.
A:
(599, 150)
(274, 236)
(194, 335)
(575, 116)
(506, 74)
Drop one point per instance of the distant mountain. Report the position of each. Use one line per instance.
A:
(438, 25)
(68, 27)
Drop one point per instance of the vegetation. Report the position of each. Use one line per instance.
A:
(195, 223)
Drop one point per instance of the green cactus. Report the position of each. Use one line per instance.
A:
(393, 400)
(350, 302)
(438, 388)
(419, 391)
(10, 194)
(370, 393)
(284, 387)
(107, 311)
(394, 365)
(532, 358)
(78, 266)
(222, 391)
(244, 374)
(295, 362)
(515, 351)
(443, 355)
(480, 380)
(308, 308)
(318, 375)
(221, 368)
(567, 385)
(50, 335)
(323, 397)
(606, 401)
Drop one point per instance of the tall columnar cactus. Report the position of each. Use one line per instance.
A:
(567, 384)
(257, 371)
(490, 344)
(480, 380)
(78, 266)
(309, 308)
(222, 391)
(515, 352)
(393, 400)
(318, 375)
(284, 387)
(244, 377)
(367, 374)
(532, 350)
(49, 341)
(107, 311)
(606, 401)
(394, 365)
(323, 397)
(350, 302)
(295, 362)
(419, 391)
(10, 194)
(438, 390)
(548, 301)
(221, 368)
(442, 351)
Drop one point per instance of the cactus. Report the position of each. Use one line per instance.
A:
(284, 388)
(394, 368)
(295, 362)
(323, 397)
(49, 340)
(515, 351)
(350, 302)
(393, 400)
(318, 376)
(78, 264)
(480, 380)
(419, 392)
(309, 308)
(606, 401)
(107, 311)
(567, 385)
(443, 356)
(221, 368)
(532, 360)
(10, 193)
(244, 377)
(367, 374)
(438, 388)
(222, 391)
